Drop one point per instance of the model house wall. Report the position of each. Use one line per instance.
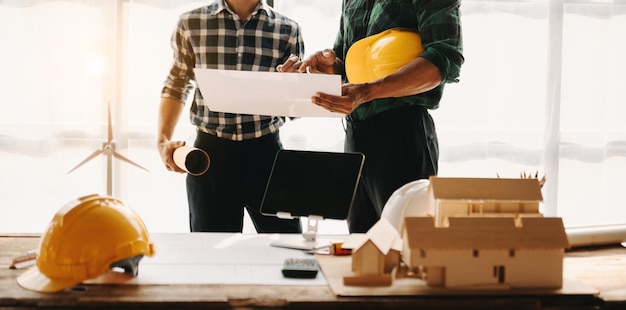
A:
(487, 252)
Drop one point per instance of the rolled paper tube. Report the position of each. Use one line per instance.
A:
(193, 160)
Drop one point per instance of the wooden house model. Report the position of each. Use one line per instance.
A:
(375, 255)
(486, 252)
(481, 197)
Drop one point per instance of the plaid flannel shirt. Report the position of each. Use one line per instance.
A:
(214, 37)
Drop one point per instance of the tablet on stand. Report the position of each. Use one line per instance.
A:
(312, 185)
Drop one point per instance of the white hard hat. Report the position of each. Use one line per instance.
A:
(411, 199)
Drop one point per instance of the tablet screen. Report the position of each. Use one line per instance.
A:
(304, 183)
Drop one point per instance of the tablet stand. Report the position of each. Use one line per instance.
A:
(308, 240)
(310, 234)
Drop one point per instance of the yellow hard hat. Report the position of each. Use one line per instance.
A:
(85, 239)
(382, 54)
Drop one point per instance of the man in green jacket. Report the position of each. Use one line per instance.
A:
(387, 118)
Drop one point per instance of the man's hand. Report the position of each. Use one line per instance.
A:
(352, 96)
(166, 151)
(320, 62)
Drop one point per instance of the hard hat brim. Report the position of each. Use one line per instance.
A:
(34, 280)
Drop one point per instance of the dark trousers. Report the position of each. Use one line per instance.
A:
(236, 179)
(400, 146)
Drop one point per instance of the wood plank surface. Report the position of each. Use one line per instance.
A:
(601, 268)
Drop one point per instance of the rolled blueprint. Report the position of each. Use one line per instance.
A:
(193, 160)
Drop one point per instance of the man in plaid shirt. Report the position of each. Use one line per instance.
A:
(243, 35)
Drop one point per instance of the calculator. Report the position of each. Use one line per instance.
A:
(302, 268)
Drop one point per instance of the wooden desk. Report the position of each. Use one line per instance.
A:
(601, 268)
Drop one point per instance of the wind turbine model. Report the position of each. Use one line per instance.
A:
(108, 149)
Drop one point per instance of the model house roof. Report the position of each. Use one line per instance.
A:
(383, 235)
(486, 189)
(486, 233)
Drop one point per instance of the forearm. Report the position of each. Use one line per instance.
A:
(169, 113)
(416, 77)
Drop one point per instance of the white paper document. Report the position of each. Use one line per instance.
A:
(266, 93)
(213, 258)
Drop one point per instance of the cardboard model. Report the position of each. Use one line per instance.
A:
(479, 197)
(488, 252)
(375, 255)
(485, 234)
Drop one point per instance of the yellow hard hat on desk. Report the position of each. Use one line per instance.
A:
(382, 54)
(85, 239)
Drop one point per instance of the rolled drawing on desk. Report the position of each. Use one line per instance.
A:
(23, 261)
(193, 160)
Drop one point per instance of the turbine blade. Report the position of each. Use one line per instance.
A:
(90, 157)
(122, 158)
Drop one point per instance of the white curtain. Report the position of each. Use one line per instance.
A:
(541, 91)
